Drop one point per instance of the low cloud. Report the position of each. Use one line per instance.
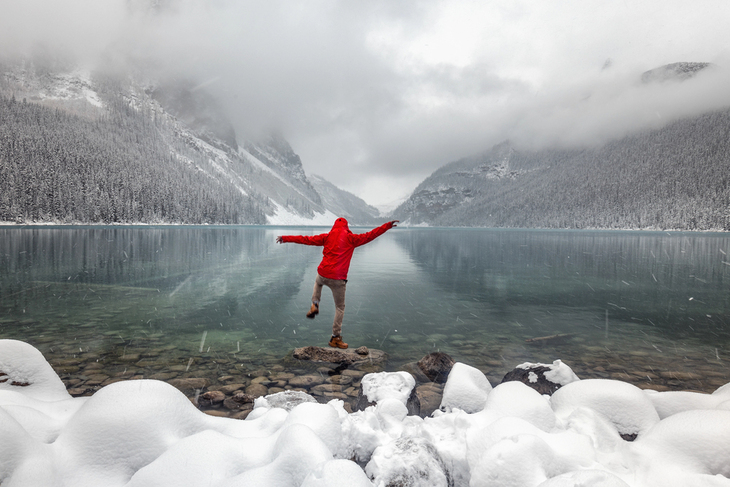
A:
(377, 95)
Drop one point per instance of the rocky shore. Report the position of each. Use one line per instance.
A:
(228, 385)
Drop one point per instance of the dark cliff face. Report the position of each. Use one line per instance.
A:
(287, 157)
(276, 153)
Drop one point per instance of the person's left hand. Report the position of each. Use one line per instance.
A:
(393, 223)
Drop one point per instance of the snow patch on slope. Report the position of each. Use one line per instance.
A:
(282, 216)
(72, 86)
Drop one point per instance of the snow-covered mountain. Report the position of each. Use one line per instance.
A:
(341, 202)
(189, 131)
(676, 177)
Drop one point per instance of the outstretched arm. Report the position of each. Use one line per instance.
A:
(302, 239)
(358, 239)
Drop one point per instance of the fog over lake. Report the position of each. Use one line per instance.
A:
(650, 308)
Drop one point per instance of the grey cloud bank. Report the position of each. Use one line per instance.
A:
(374, 96)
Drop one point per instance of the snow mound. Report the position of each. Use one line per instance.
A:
(388, 385)
(24, 369)
(466, 388)
(512, 452)
(407, 458)
(333, 472)
(696, 442)
(518, 400)
(624, 405)
(672, 402)
(584, 478)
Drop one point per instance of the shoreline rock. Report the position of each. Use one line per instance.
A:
(361, 355)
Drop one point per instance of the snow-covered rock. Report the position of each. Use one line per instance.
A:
(518, 400)
(625, 405)
(388, 385)
(544, 378)
(466, 389)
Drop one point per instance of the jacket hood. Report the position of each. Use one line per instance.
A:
(341, 223)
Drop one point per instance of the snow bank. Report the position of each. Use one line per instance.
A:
(146, 433)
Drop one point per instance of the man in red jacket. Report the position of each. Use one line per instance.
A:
(339, 245)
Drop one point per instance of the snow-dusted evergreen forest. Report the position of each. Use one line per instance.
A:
(61, 167)
(676, 177)
(109, 147)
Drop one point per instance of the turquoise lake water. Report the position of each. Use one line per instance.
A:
(652, 308)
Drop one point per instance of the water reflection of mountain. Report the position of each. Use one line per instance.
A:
(175, 275)
(673, 279)
(148, 257)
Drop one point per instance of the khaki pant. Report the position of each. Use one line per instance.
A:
(338, 293)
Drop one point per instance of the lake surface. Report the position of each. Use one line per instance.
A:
(651, 308)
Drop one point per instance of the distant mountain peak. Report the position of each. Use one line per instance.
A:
(276, 153)
(343, 203)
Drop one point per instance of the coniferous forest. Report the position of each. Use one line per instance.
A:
(123, 166)
(674, 178)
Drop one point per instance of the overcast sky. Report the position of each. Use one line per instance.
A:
(376, 95)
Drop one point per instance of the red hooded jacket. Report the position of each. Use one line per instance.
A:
(339, 245)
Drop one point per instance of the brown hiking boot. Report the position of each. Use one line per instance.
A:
(337, 342)
(313, 311)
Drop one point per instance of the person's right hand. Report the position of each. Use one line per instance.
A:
(279, 240)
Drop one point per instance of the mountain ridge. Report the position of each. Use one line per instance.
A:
(676, 177)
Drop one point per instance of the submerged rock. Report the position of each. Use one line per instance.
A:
(239, 400)
(429, 398)
(287, 400)
(257, 389)
(306, 381)
(413, 369)
(340, 357)
(190, 385)
(436, 366)
(211, 398)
